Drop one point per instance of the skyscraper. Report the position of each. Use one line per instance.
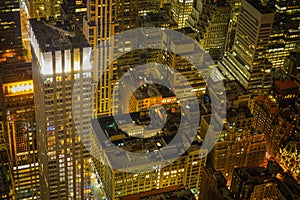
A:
(235, 11)
(285, 34)
(10, 29)
(74, 10)
(43, 8)
(181, 9)
(60, 58)
(238, 144)
(210, 20)
(19, 124)
(247, 62)
(254, 183)
(98, 26)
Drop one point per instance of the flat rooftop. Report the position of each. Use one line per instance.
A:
(57, 35)
(263, 9)
(157, 19)
(146, 91)
(286, 84)
(15, 71)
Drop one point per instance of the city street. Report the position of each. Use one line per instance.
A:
(25, 27)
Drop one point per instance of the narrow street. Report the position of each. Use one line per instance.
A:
(25, 27)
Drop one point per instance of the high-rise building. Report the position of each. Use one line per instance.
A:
(247, 62)
(235, 11)
(175, 61)
(126, 14)
(61, 58)
(277, 115)
(147, 6)
(264, 183)
(43, 8)
(210, 20)
(181, 9)
(19, 125)
(74, 10)
(254, 183)
(213, 186)
(99, 25)
(238, 144)
(10, 29)
(186, 170)
(285, 34)
(214, 38)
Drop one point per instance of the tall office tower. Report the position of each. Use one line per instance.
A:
(181, 9)
(235, 11)
(147, 6)
(264, 112)
(238, 145)
(210, 20)
(99, 25)
(285, 34)
(10, 29)
(126, 14)
(61, 58)
(214, 38)
(198, 11)
(248, 63)
(43, 8)
(19, 125)
(74, 10)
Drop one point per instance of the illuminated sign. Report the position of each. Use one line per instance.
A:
(18, 88)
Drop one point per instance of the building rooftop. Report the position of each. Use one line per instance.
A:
(148, 146)
(286, 84)
(234, 90)
(217, 175)
(15, 71)
(254, 176)
(164, 91)
(256, 4)
(146, 91)
(158, 19)
(57, 35)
